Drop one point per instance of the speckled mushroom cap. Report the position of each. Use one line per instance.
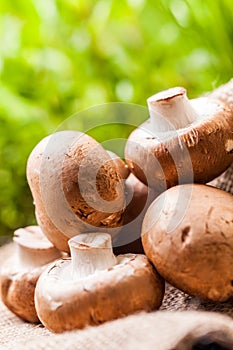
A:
(21, 271)
(75, 185)
(131, 285)
(187, 234)
(196, 150)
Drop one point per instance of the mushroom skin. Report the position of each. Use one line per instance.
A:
(120, 164)
(187, 234)
(184, 141)
(20, 272)
(224, 93)
(75, 186)
(138, 198)
(66, 301)
(17, 293)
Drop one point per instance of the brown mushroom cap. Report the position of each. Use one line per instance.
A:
(120, 164)
(68, 297)
(138, 198)
(187, 234)
(42, 217)
(198, 149)
(224, 93)
(130, 286)
(20, 273)
(75, 185)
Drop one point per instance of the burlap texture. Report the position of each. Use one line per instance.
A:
(166, 329)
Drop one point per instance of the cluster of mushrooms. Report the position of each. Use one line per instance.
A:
(65, 271)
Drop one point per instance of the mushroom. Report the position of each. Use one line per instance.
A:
(94, 286)
(120, 164)
(183, 141)
(76, 187)
(20, 272)
(187, 234)
(138, 198)
(224, 93)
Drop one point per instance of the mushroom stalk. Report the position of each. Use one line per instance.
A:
(90, 253)
(170, 110)
(31, 258)
(33, 248)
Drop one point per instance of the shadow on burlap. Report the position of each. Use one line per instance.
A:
(183, 322)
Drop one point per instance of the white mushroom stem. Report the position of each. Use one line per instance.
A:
(33, 248)
(32, 258)
(91, 252)
(170, 110)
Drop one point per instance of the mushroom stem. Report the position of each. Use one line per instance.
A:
(91, 252)
(32, 258)
(33, 248)
(170, 110)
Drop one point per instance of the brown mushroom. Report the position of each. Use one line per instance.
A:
(94, 286)
(138, 198)
(76, 187)
(20, 272)
(187, 234)
(183, 141)
(120, 164)
(224, 93)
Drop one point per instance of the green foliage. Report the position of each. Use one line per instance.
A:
(58, 57)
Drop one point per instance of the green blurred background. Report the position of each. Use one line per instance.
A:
(58, 57)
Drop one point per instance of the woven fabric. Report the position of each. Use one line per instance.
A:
(158, 330)
(225, 181)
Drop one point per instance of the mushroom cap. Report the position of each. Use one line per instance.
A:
(17, 292)
(138, 198)
(187, 234)
(120, 164)
(224, 93)
(199, 152)
(75, 185)
(63, 304)
(33, 177)
(19, 275)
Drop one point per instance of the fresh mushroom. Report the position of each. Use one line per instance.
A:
(187, 234)
(20, 272)
(76, 187)
(183, 141)
(120, 164)
(138, 198)
(94, 286)
(224, 93)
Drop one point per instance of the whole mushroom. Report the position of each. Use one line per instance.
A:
(20, 272)
(187, 234)
(94, 286)
(76, 187)
(183, 141)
